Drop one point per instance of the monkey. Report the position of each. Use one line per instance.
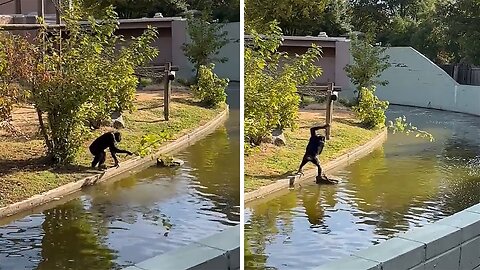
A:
(314, 148)
(107, 140)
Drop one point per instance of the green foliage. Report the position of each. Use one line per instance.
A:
(224, 11)
(369, 63)
(129, 9)
(400, 125)
(370, 110)
(206, 40)
(210, 89)
(300, 17)
(16, 56)
(87, 79)
(150, 142)
(145, 81)
(271, 80)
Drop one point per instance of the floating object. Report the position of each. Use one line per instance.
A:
(323, 179)
(169, 162)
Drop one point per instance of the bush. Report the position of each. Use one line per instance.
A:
(271, 98)
(210, 89)
(370, 110)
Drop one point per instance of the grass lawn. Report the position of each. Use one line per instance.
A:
(268, 163)
(23, 169)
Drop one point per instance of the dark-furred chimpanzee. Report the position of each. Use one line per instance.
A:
(107, 140)
(314, 148)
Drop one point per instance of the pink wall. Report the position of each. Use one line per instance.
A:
(335, 56)
(28, 6)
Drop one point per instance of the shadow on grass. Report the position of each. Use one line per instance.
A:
(350, 122)
(188, 101)
(272, 177)
(39, 164)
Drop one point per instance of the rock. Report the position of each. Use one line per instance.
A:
(278, 137)
(117, 120)
(169, 162)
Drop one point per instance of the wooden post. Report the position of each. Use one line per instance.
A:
(167, 92)
(18, 6)
(329, 112)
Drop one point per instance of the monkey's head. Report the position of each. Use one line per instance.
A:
(117, 136)
(321, 138)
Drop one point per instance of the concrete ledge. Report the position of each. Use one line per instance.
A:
(125, 168)
(452, 243)
(220, 251)
(330, 166)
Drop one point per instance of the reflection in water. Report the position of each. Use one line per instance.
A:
(407, 183)
(146, 214)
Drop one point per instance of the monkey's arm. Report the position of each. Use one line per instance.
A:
(313, 129)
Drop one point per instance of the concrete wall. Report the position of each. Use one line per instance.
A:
(452, 243)
(220, 252)
(415, 80)
(231, 68)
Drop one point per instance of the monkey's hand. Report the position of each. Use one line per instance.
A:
(129, 153)
(116, 165)
(300, 173)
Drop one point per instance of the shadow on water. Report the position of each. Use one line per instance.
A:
(407, 183)
(149, 213)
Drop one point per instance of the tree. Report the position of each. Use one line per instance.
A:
(207, 39)
(369, 63)
(16, 56)
(271, 99)
(129, 9)
(86, 77)
(223, 11)
(463, 20)
(299, 17)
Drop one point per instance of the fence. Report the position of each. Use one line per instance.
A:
(463, 74)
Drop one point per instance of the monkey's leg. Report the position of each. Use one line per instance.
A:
(304, 161)
(101, 163)
(96, 159)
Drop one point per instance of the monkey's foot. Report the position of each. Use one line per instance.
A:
(323, 179)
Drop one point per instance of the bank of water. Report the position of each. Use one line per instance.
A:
(157, 210)
(407, 183)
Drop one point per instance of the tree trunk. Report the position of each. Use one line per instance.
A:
(43, 130)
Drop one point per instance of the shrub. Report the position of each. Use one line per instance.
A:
(370, 110)
(210, 89)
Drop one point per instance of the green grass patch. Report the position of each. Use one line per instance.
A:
(24, 172)
(268, 163)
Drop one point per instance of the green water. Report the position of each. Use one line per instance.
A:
(155, 211)
(407, 183)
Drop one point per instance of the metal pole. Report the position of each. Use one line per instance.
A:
(41, 8)
(329, 112)
(166, 93)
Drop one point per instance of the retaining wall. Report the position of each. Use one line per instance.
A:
(220, 252)
(414, 80)
(452, 243)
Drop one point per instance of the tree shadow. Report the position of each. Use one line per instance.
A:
(151, 121)
(37, 164)
(188, 102)
(273, 177)
(150, 107)
(350, 122)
